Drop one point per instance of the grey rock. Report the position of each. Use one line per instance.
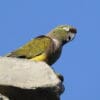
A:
(27, 80)
(2, 97)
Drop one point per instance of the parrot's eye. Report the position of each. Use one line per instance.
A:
(70, 37)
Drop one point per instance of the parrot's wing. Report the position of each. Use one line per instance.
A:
(33, 48)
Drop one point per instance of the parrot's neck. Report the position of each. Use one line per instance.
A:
(56, 40)
(57, 43)
(57, 36)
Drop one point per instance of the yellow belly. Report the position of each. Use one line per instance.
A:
(48, 58)
(41, 57)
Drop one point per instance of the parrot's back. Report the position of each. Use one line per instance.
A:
(33, 48)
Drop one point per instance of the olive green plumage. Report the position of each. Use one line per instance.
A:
(46, 47)
(33, 48)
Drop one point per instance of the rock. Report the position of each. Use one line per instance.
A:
(27, 80)
(3, 97)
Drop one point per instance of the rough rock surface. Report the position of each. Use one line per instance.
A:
(26, 80)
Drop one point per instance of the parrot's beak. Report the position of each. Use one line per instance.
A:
(73, 30)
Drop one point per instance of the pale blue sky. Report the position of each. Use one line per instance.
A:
(21, 20)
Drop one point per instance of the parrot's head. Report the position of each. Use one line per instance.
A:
(63, 33)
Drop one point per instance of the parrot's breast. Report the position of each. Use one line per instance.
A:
(48, 58)
(52, 58)
(41, 57)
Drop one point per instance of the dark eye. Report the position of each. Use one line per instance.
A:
(69, 38)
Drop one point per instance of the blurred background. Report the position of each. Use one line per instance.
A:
(22, 20)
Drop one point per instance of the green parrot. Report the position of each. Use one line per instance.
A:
(47, 47)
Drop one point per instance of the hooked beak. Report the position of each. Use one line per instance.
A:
(73, 30)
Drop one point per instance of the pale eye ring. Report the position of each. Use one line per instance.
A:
(70, 37)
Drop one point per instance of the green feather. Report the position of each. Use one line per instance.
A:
(33, 48)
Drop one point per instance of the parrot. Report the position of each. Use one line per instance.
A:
(46, 48)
